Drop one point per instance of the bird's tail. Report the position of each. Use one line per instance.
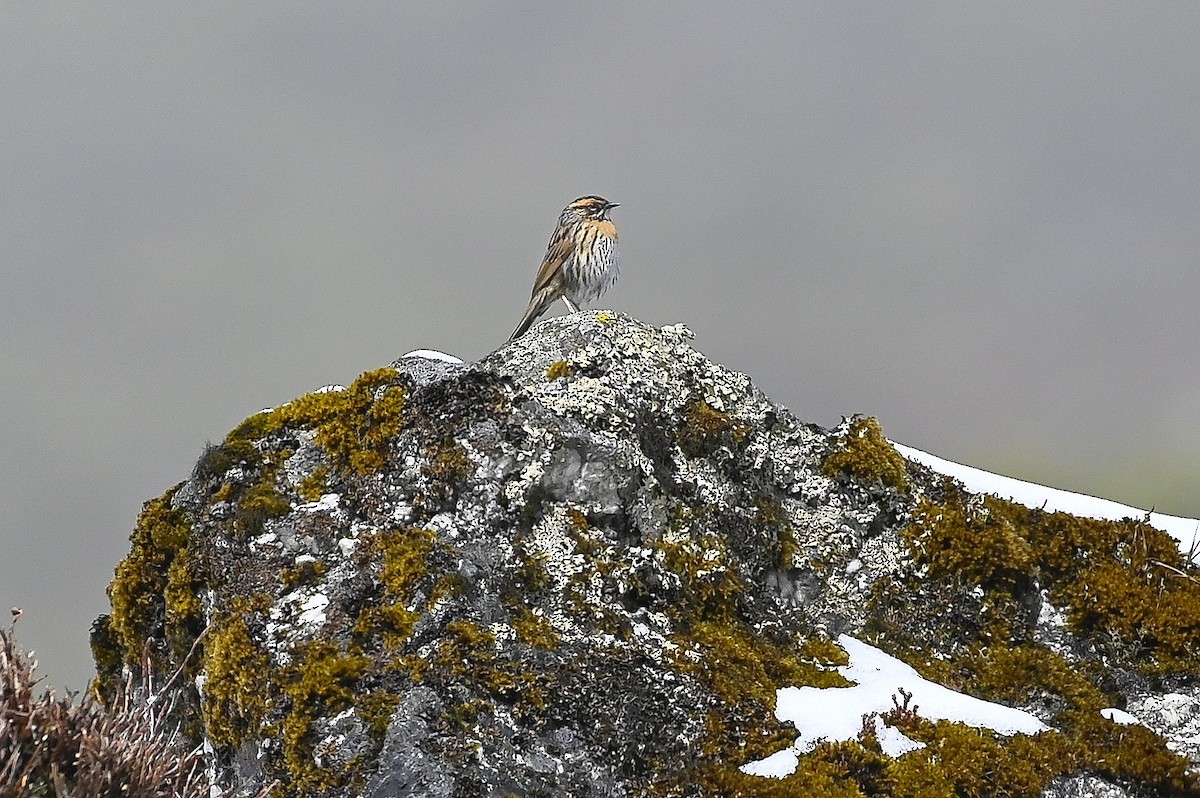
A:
(537, 306)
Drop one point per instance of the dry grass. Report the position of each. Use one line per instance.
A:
(74, 747)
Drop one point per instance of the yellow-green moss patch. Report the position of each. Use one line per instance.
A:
(703, 429)
(864, 453)
(1124, 584)
(771, 517)
(738, 664)
(146, 578)
(970, 543)
(306, 572)
(234, 691)
(744, 670)
(313, 486)
(467, 654)
(446, 466)
(260, 503)
(709, 578)
(403, 557)
(354, 426)
(322, 681)
(558, 370)
(534, 630)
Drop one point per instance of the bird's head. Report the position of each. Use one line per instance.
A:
(592, 207)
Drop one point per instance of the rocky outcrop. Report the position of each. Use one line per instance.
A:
(584, 565)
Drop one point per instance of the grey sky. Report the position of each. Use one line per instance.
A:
(980, 225)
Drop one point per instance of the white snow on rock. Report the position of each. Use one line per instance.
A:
(1184, 530)
(312, 611)
(777, 766)
(1120, 716)
(835, 713)
(892, 741)
(432, 354)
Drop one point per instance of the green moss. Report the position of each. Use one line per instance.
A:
(970, 543)
(738, 664)
(376, 708)
(466, 654)
(109, 656)
(467, 713)
(391, 623)
(703, 430)
(354, 426)
(1068, 544)
(149, 592)
(403, 556)
(823, 653)
(532, 575)
(446, 466)
(217, 460)
(771, 517)
(534, 630)
(558, 370)
(1121, 586)
(321, 681)
(744, 669)
(816, 777)
(578, 521)
(960, 761)
(234, 691)
(864, 453)
(709, 579)
(1125, 586)
(1025, 674)
(260, 503)
(1151, 619)
(1084, 740)
(314, 485)
(1131, 754)
(184, 617)
(308, 572)
(448, 585)
(225, 493)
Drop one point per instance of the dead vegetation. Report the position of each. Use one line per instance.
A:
(75, 747)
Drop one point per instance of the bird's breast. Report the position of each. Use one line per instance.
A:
(606, 228)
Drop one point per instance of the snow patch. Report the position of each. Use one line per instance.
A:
(835, 713)
(892, 741)
(432, 354)
(778, 765)
(1120, 716)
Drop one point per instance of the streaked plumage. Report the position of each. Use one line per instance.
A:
(580, 263)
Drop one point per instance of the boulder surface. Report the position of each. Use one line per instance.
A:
(584, 565)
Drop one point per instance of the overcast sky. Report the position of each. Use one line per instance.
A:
(980, 225)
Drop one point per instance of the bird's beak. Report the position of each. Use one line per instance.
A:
(614, 204)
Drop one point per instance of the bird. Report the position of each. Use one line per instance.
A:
(580, 262)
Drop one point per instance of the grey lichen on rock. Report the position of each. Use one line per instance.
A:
(581, 566)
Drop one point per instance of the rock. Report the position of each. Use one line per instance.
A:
(584, 565)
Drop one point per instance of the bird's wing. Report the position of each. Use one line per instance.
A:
(557, 253)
